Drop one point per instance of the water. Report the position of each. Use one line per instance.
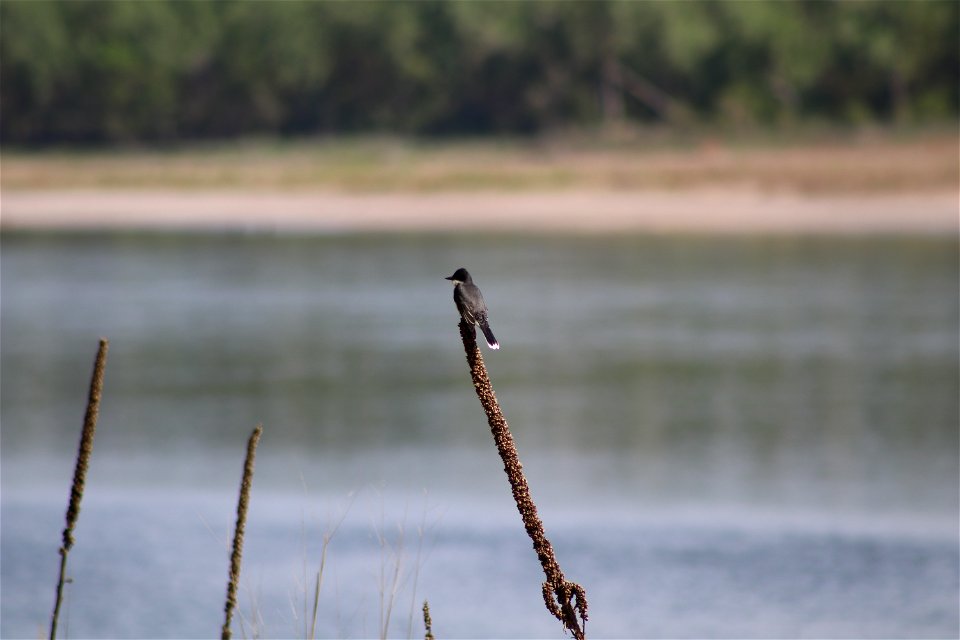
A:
(725, 437)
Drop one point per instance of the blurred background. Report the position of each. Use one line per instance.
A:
(719, 246)
(121, 72)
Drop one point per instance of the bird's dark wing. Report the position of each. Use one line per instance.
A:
(463, 305)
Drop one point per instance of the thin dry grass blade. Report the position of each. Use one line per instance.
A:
(80, 473)
(237, 554)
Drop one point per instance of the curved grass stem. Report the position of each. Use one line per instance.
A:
(567, 601)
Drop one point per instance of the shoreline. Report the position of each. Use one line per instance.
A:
(732, 210)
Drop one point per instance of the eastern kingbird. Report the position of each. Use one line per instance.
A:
(470, 304)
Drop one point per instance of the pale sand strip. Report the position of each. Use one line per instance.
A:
(705, 210)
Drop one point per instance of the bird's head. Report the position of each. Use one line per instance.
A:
(459, 276)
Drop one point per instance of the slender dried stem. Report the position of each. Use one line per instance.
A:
(238, 531)
(316, 598)
(80, 472)
(565, 600)
(427, 622)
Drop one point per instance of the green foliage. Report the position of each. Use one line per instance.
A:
(123, 71)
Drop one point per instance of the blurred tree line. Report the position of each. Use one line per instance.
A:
(95, 72)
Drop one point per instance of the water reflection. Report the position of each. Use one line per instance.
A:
(805, 376)
(841, 352)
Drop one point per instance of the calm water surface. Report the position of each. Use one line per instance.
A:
(725, 437)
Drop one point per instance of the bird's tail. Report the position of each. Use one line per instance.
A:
(488, 334)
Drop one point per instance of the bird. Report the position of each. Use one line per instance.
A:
(470, 304)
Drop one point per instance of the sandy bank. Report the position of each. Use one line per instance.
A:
(707, 210)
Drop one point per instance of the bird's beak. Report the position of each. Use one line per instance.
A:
(449, 278)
